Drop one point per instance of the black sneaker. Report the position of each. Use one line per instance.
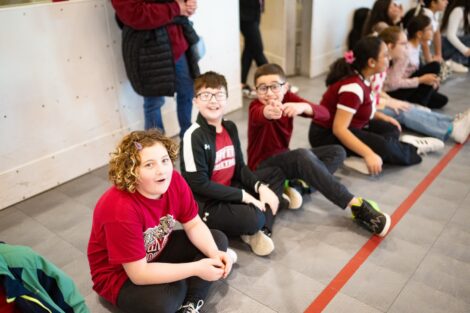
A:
(301, 186)
(190, 307)
(370, 217)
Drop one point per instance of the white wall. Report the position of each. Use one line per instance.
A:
(64, 96)
(331, 22)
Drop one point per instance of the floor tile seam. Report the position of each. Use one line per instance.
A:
(341, 279)
(255, 300)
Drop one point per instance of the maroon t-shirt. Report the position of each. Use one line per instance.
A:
(224, 166)
(128, 227)
(352, 94)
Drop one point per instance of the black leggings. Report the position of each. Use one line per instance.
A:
(380, 136)
(423, 94)
(236, 219)
(167, 298)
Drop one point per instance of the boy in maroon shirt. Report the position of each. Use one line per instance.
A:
(270, 125)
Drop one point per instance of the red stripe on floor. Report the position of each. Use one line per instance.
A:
(330, 291)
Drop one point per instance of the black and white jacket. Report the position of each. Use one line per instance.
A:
(197, 155)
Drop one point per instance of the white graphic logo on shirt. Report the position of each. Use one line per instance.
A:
(224, 158)
(155, 238)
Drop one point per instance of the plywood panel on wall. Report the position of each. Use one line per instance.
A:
(64, 96)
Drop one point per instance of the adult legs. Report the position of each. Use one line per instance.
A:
(152, 112)
(184, 94)
(253, 47)
(168, 297)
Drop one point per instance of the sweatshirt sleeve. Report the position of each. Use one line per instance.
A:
(256, 115)
(320, 113)
(396, 77)
(195, 169)
(142, 15)
(455, 19)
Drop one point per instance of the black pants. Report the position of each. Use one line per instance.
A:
(167, 298)
(380, 136)
(236, 219)
(423, 94)
(253, 47)
(315, 167)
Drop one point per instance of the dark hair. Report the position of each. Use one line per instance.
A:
(366, 48)
(466, 11)
(417, 24)
(210, 80)
(391, 35)
(412, 13)
(269, 69)
(359, 19)
(379, 13)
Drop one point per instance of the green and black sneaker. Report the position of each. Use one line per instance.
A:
(369, 216)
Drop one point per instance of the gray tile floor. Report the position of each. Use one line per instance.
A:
(423, 265)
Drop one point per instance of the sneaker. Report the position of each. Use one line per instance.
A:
(248, 92)
(301, 186)
(357, 163)
(461, 127)
(456, 67)
(294, 89)
(260, 243)
(370, 217)
(423, 144)
(294, 196)
(232, 255)
(190, 307)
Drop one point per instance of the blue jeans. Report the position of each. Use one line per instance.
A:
(184, 100)
(428, 123)
(449, 51)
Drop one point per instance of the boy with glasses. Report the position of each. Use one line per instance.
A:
(231, 197)
(270, 126)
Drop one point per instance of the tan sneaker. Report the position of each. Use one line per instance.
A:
(260, 243)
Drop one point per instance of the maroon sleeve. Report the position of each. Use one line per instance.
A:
(143, 15)
(255, 114)
(320, 113)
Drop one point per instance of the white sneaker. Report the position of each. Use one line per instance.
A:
(456, 67)
(357, 163)
(461, 127)
(260, 243)
(293, 196)
(294, 89)
(232, 255)
(423, 144)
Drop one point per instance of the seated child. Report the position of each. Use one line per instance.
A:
(406, 79)
(230, 196)
(353, 121)
(138, 261)
(270, 125)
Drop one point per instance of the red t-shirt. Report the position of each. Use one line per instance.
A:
(128, 227)
(267, 138)
(146, 15)
(4, 306)
(351, 94)
(224, 165)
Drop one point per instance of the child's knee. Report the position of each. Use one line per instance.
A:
(220, 239)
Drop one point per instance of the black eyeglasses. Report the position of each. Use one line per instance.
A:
(207, 96)
(275, 88)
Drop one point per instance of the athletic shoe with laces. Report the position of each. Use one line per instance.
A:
(260, 243)
(456, 67)
(356, 163)
(232, 255)
(301, 186)
(461, 127)
(248, 92)
(369, 216)
(423, 144)
(293, 196)
(190, 307)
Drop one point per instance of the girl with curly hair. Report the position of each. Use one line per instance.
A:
(138, 261)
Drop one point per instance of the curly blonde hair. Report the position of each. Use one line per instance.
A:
(125, 160)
